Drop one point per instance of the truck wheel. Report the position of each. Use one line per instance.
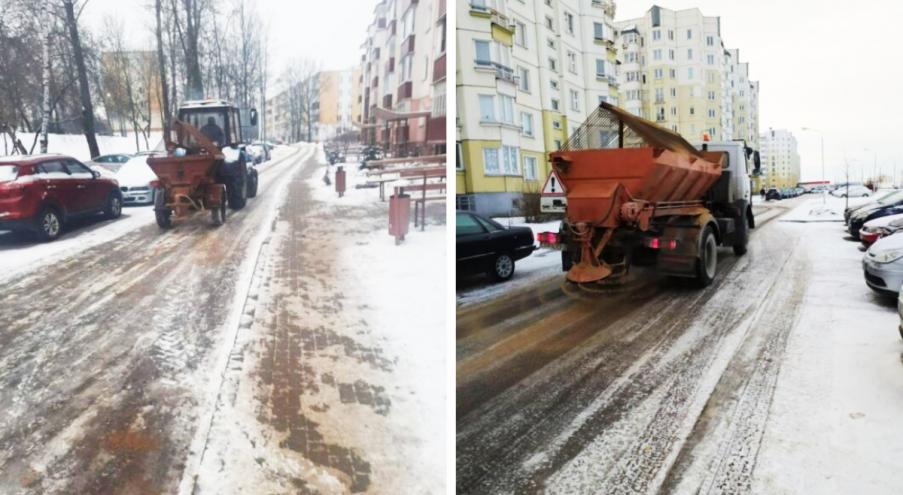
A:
(741, 236)
(502, 268)
(161, 212)
(238, 194)
(707, 262)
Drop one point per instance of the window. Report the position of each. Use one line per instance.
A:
(710, 59)
(466, 224)
(657, 54)
(672, 73)
(710, 40)
(671, 54)
(659, 95)
(575, 101)
(690, 73)
(509, 157)
(78, 170)
(660, 114)
(671, 34)
(600, 67)
(711, 113)
(526, 123)
(487, 108)
(459, 158)
(553, 83)
(407, 23)
(689, 54)
(491, 161)
(711, 96)
(598, 30)
(551, 43)
(572, 62)
(555, 104)
(553, 64)
(550, 23)
(569, 22)
(674, 111)
(530, 171)
(53, 168)
(659, 73)
(521, 34)
(523, 79)
(689, 34)
(482, 50)
(656, 35)
(557, 144)
(692, 111)
(674, 92)
(507, 107)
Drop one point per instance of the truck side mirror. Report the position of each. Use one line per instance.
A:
(757, 164)
(253, 117)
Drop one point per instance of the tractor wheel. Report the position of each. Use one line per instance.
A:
(163, 214)
(252, 186)
(218, 215)
(238, 193)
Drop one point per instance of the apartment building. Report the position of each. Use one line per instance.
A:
(780, 159)
(403, 78)
(677, 73)
(527, 71)
(338, 95)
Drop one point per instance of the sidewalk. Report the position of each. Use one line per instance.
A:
(337, 383)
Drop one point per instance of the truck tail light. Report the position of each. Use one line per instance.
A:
(659, 243)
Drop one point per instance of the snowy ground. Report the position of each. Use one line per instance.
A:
(783, 377)
(74, 145)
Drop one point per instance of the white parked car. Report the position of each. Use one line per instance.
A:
(853, 192)
(883, 265)
(134, 179)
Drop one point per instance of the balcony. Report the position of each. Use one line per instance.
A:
(387, 101)
(435, 129)
(504, 73)
(439, 69)
(405, 90)
(502, 21)
(407, 46)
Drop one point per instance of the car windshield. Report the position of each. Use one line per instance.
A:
(8, 173)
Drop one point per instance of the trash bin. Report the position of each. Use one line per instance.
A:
(399, 214)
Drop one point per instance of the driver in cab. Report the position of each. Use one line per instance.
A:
(213, 131)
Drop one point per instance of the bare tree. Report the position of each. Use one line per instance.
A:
(301, 80)
(84, 90)
(188, 19)
(161, 61)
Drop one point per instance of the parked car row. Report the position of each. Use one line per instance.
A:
(840, 191)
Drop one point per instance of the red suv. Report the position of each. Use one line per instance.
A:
(40, 193)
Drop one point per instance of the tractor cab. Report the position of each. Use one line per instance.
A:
(220, 121)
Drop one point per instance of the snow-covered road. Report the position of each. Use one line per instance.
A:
(783, 377)
(108, 351)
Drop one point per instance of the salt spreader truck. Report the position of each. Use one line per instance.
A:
(637, 193)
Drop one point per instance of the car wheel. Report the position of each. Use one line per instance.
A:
(49, 224)
(114, 206)
(707, 262)
(503, 267)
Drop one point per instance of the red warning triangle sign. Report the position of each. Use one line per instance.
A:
(553, 186)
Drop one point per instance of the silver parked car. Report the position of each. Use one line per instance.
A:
(883, 264)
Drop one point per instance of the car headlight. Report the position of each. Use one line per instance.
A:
(888, 256)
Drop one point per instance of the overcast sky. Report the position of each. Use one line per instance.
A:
(828, 65)
(329, 31)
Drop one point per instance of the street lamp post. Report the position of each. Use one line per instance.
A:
(821, 135)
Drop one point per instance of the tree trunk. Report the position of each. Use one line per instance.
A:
(161, 60)
(45, 120)
(87, 106)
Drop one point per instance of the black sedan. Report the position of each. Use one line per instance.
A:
(773, 194)
(880, 198)
(878, 210)
(485, 246)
